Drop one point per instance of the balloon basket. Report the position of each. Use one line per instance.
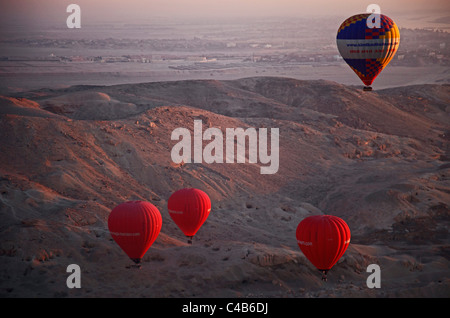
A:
(367, 88)
(137, 263)
(324, 275)
(189, 241)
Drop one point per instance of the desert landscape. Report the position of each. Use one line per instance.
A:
(379, 160)
(86, 117)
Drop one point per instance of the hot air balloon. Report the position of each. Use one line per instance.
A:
(367, 50)
(189, 208)
(323, 239)
(135, 225)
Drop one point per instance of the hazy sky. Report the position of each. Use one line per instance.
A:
(36, 11)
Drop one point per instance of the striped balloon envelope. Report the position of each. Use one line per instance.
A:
(323, 239)
(189, 208)
(135, 225)
(368, 49)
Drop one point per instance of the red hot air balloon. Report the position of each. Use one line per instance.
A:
(323, 239)
(189, 208)
(135, 225)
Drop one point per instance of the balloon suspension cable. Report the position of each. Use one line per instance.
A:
(189, 239)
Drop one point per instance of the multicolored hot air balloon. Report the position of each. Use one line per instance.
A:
(367, 50)
(135, 225)
(323, 239)
(189, 208)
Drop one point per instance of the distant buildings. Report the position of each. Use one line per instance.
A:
(417, 47)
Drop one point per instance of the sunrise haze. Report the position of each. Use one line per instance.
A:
(22, 11)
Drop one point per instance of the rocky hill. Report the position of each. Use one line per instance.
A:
(379, 160)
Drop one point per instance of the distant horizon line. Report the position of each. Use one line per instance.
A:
(140, 20)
